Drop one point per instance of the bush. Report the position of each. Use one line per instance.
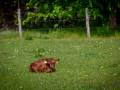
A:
(28, 37)
(104, 31)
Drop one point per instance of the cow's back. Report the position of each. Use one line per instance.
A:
(36, 66)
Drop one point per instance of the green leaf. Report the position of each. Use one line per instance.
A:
(39, 15)
(45, 18)
(23, 23)
(70, 16)
(56, 25)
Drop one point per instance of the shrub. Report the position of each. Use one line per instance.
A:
(28, 37)
(104, 31)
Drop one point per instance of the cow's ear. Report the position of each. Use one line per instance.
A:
(57, 59)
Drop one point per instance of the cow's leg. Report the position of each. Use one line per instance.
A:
(46, 70)
(35, 70)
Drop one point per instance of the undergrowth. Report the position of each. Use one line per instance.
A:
(59, 34)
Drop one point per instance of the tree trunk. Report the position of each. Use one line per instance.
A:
(113, 21)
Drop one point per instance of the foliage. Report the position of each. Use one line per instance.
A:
(28, 37)
(56, 25)
(16, 19)
(104, 31)
(65, 10)
(36, 11)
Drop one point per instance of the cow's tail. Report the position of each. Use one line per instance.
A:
(30, 68)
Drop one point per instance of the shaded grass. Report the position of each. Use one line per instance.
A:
(84, 64)
(54, 34)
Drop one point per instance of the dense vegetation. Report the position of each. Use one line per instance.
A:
(59, 13)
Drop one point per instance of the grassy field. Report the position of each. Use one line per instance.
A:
(85, 64)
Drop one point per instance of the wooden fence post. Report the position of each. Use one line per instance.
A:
(87, 22)
(19, 21)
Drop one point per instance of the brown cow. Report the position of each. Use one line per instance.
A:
(43, 65)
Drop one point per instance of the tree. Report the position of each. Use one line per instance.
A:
(54, 9)
(44, 10)
(8, 13)
(105, 9)
(65, 9)
(6, 8)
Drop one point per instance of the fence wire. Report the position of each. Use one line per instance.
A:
(62, 24)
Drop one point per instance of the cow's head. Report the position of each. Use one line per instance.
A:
(51, 63)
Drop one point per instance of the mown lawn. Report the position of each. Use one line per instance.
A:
(85, 64)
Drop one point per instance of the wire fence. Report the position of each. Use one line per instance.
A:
(69, 24)
(62, 24)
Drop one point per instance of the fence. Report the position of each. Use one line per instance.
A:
(78, 24)
(70, 24)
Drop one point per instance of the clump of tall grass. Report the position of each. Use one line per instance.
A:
(28, 37)
(117, 34)
(104, 31)
(9, 34)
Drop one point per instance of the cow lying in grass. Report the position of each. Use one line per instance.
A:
(43, 65)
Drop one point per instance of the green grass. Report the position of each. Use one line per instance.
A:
(57, 34)
(85, 64)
